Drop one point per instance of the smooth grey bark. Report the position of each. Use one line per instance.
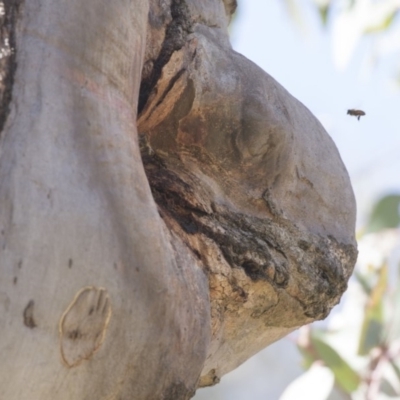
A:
(143, 266)
(77, 215)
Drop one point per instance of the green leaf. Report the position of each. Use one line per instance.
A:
(372, 329)
(308, 357)
(305, 347)
(323, 11)
(364, 283)
(395, 368)
(385, 214)
(388, 389)
(394, 322)
(382, 25)
(346, 377)
(370, 337)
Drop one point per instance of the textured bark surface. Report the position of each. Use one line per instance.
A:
(9, 11)
(247, 178)
(141, 266)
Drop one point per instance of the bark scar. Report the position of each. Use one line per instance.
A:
(29, 321)
(83, 325)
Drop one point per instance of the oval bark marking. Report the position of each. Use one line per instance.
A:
(83, 325)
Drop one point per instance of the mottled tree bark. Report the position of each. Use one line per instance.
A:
(143, 255)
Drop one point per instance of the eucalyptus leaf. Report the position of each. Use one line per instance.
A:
(388, 389)
(396, 368)
(308, 357)
(394, 322)
(364, 283)
(382, 25)
(385, 214)
(372, 329)
(346, 377)
(323, 13)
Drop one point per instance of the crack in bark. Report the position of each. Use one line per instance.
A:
(171, 84)
(9, 11)
(175, 38)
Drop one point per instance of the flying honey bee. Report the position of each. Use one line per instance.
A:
(356, 113)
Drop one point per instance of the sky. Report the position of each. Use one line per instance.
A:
(306, 59)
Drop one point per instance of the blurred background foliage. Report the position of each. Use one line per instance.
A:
(355, 354)
(352, 20)
(370, 369)
(360, 356)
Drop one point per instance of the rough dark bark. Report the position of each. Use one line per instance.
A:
(142, 266)
(9, 11)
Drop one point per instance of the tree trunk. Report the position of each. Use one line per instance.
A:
(141, 266)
